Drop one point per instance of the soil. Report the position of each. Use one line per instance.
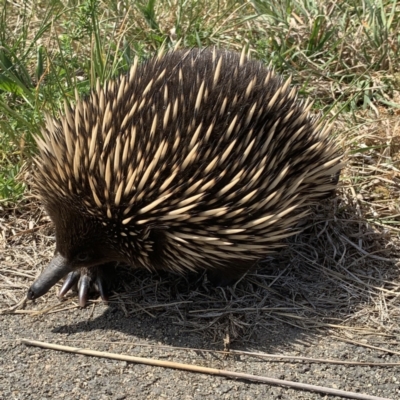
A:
(35, 373)
(322, 297)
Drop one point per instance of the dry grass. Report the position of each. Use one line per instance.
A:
(342, 272)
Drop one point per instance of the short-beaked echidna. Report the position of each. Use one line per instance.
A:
(197, 159)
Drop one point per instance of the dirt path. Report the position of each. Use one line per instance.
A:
(34, 373)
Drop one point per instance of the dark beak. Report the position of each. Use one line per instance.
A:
(56, 270)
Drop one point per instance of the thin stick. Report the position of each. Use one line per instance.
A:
(369, 346)
(281, 357)
(14, 309)
(203, 370)
(274, 357)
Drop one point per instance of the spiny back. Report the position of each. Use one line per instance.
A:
(204, 151)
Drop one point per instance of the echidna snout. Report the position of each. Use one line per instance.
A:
(79, 251)
(56, 270)
(195, 160)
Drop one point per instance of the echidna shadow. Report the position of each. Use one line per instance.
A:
(195, 160)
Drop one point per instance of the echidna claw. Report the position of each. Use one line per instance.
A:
(101, 287)
(71, 281)
(85, 281)
(84, 287)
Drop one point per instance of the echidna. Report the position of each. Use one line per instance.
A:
(197, 159)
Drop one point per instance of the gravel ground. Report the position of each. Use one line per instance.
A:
(35, 373)
(320, 280)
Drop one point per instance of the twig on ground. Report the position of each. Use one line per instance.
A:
(203, 370)
(369, 346)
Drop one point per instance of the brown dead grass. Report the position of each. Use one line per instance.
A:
(341, 272)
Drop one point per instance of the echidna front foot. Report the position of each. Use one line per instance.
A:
(87, 281)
